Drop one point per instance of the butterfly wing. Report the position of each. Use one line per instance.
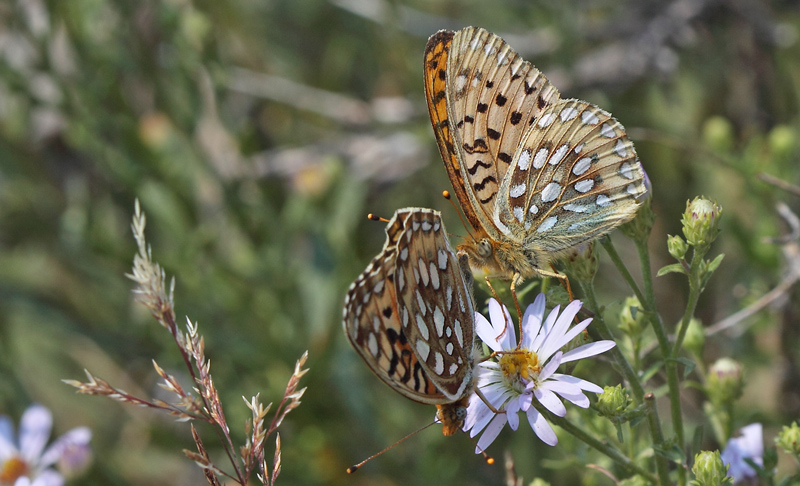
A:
(371, 323)
(481, 97)
(435, 303)
(574, 177)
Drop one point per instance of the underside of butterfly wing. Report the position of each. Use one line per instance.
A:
(435, 305)
(371, 323)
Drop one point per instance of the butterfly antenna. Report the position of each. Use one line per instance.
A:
(489, 459)
(352, 469)
(446, 195)
(375, 217)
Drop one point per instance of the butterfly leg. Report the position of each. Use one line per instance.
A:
(564, 279)
(486, 401)
(517, 278)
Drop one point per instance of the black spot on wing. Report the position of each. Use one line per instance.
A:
(493, 134)
(500, 100)
(472, 170)
(482, 107)
(479, 186)
(515, 118)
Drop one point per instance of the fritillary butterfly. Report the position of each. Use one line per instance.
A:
(411, 318)
(535, 175)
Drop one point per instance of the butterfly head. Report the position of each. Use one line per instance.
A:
(452, 415)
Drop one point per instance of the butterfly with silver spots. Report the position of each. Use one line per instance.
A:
(410, 316)
(534, 174)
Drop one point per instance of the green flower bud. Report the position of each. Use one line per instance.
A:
(782, 141)
(724, 382)
(613, 402)
(695, 337)
(677, 247)
(701, 222)
(718, 134)
(709, 470)
(634, 481)
(632, 320)
(789, 440)
(539, 482)
(638, 229)
(582, 262)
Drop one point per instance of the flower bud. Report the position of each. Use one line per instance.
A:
(638, 229)
(718, 134)
(677, 247)
(613, 402)
(782, 141)
(789, 440)
(709, 470)
(582, 263)
(701, 222)
(539, 482)
(632, 320)
(724, 382)
(634, 481)
(695, 337)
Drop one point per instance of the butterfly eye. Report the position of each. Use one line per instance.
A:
(485, 248)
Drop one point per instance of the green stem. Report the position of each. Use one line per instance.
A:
(612, 252)
(658, 438)
(602, 446)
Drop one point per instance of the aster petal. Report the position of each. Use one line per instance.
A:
(550, 367)
(79, 436)
(561, 387)
(34, 431)
(541, 428)
(501, 321)
(48, 477)
(485, 331)
(532, 321)
(7, 446)
(525, 401)
(485, 414)
(544, 333)
(580, 383)
(511, 414)
(555, 336)
(570, 334)
(588, 350)
(550, 401)
(491, 433)
(753, 438)
(578, 399)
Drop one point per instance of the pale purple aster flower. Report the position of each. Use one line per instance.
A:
(513, 381)
(750, 445)
(26, 462)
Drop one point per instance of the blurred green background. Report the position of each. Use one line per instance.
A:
(258, 133)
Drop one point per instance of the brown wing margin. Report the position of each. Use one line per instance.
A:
(436, 55)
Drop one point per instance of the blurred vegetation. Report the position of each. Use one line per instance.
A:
(258, 134)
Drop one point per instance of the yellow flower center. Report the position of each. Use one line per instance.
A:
(520, 367)
(12, 469)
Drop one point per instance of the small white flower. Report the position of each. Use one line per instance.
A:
(750, 445)
(528, 372)
(27, 462)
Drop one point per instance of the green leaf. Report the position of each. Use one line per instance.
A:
(688, 364)
(671, 452)
(674, 268)
(715, 262)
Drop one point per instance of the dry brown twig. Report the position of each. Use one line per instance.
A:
(204, 403)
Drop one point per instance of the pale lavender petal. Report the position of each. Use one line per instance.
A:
(582, 384)
(34, 431)
(525, 401)
(541, 428)
(532, 321)
(752, 436)
(491, 433)
(502, 322)
(560, 386)
(48, 477)
(485, 414)
(578, 399)
(550, 401)
(77, 437)
(544, 333)
(555, 336)
(7, 446)
(511, 414)
(550, 367)
(588, 350)
(486, 332)
(569, 335)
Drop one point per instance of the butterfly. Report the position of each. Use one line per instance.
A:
(410, 316)
(534, 174)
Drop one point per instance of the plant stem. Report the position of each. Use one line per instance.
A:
(612, 252)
